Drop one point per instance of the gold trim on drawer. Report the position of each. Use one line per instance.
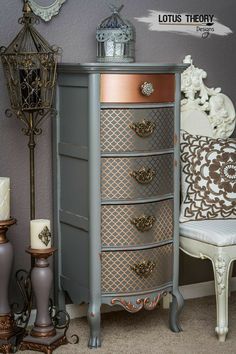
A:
(127, 88)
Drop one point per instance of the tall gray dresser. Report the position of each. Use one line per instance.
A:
(116, 186)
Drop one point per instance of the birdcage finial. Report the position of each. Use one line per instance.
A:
(115, 9)
(26, 7)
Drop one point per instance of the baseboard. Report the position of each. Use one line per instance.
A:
(78, 311)
(191, 291)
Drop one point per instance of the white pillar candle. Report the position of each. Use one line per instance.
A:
(4, 198)
(40, 234)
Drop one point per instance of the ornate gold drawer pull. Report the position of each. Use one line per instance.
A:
(144, 128)
(143, 175)
(143, 223)
(147, 88)
(144, 268)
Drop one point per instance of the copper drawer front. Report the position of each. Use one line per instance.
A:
(136, 177)
(137, 88)
(137, 129)
(139, 224)
(133, 271)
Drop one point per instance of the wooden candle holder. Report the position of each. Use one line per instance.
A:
(43, 337)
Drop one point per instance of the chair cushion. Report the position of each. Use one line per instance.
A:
(208, 178)
(215, 232)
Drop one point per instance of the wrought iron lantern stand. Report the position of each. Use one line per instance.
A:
(29, 64)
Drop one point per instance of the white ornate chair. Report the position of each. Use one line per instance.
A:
(207, 112)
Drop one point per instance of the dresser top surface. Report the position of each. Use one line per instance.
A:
(121, 68)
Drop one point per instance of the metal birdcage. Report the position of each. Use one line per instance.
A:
(29, 64)
(115, 39)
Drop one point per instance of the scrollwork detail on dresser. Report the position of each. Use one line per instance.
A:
(143, 175)
(146, 303)
(143, 223)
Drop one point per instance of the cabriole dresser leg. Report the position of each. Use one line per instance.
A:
(175, 310)
(94, 319)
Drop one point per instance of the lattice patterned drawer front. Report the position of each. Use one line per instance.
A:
(137, 129)
(133, 271)
(137, 177)
(139, 224)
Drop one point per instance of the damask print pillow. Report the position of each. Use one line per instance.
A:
(208, 178)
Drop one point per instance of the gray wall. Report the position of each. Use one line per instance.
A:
(74, 31)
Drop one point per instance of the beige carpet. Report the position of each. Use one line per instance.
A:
(148, 332)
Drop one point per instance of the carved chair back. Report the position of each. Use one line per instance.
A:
(204, 111)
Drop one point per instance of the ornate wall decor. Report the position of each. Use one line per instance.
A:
(218, 107)
(46, 12)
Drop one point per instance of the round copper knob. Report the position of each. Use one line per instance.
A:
(147, 88)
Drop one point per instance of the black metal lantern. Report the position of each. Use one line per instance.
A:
(29, 64)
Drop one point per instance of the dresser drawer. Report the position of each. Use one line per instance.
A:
(137, 129)
(138, 224)
(133, 271)
(133, 88)
(136, 177)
